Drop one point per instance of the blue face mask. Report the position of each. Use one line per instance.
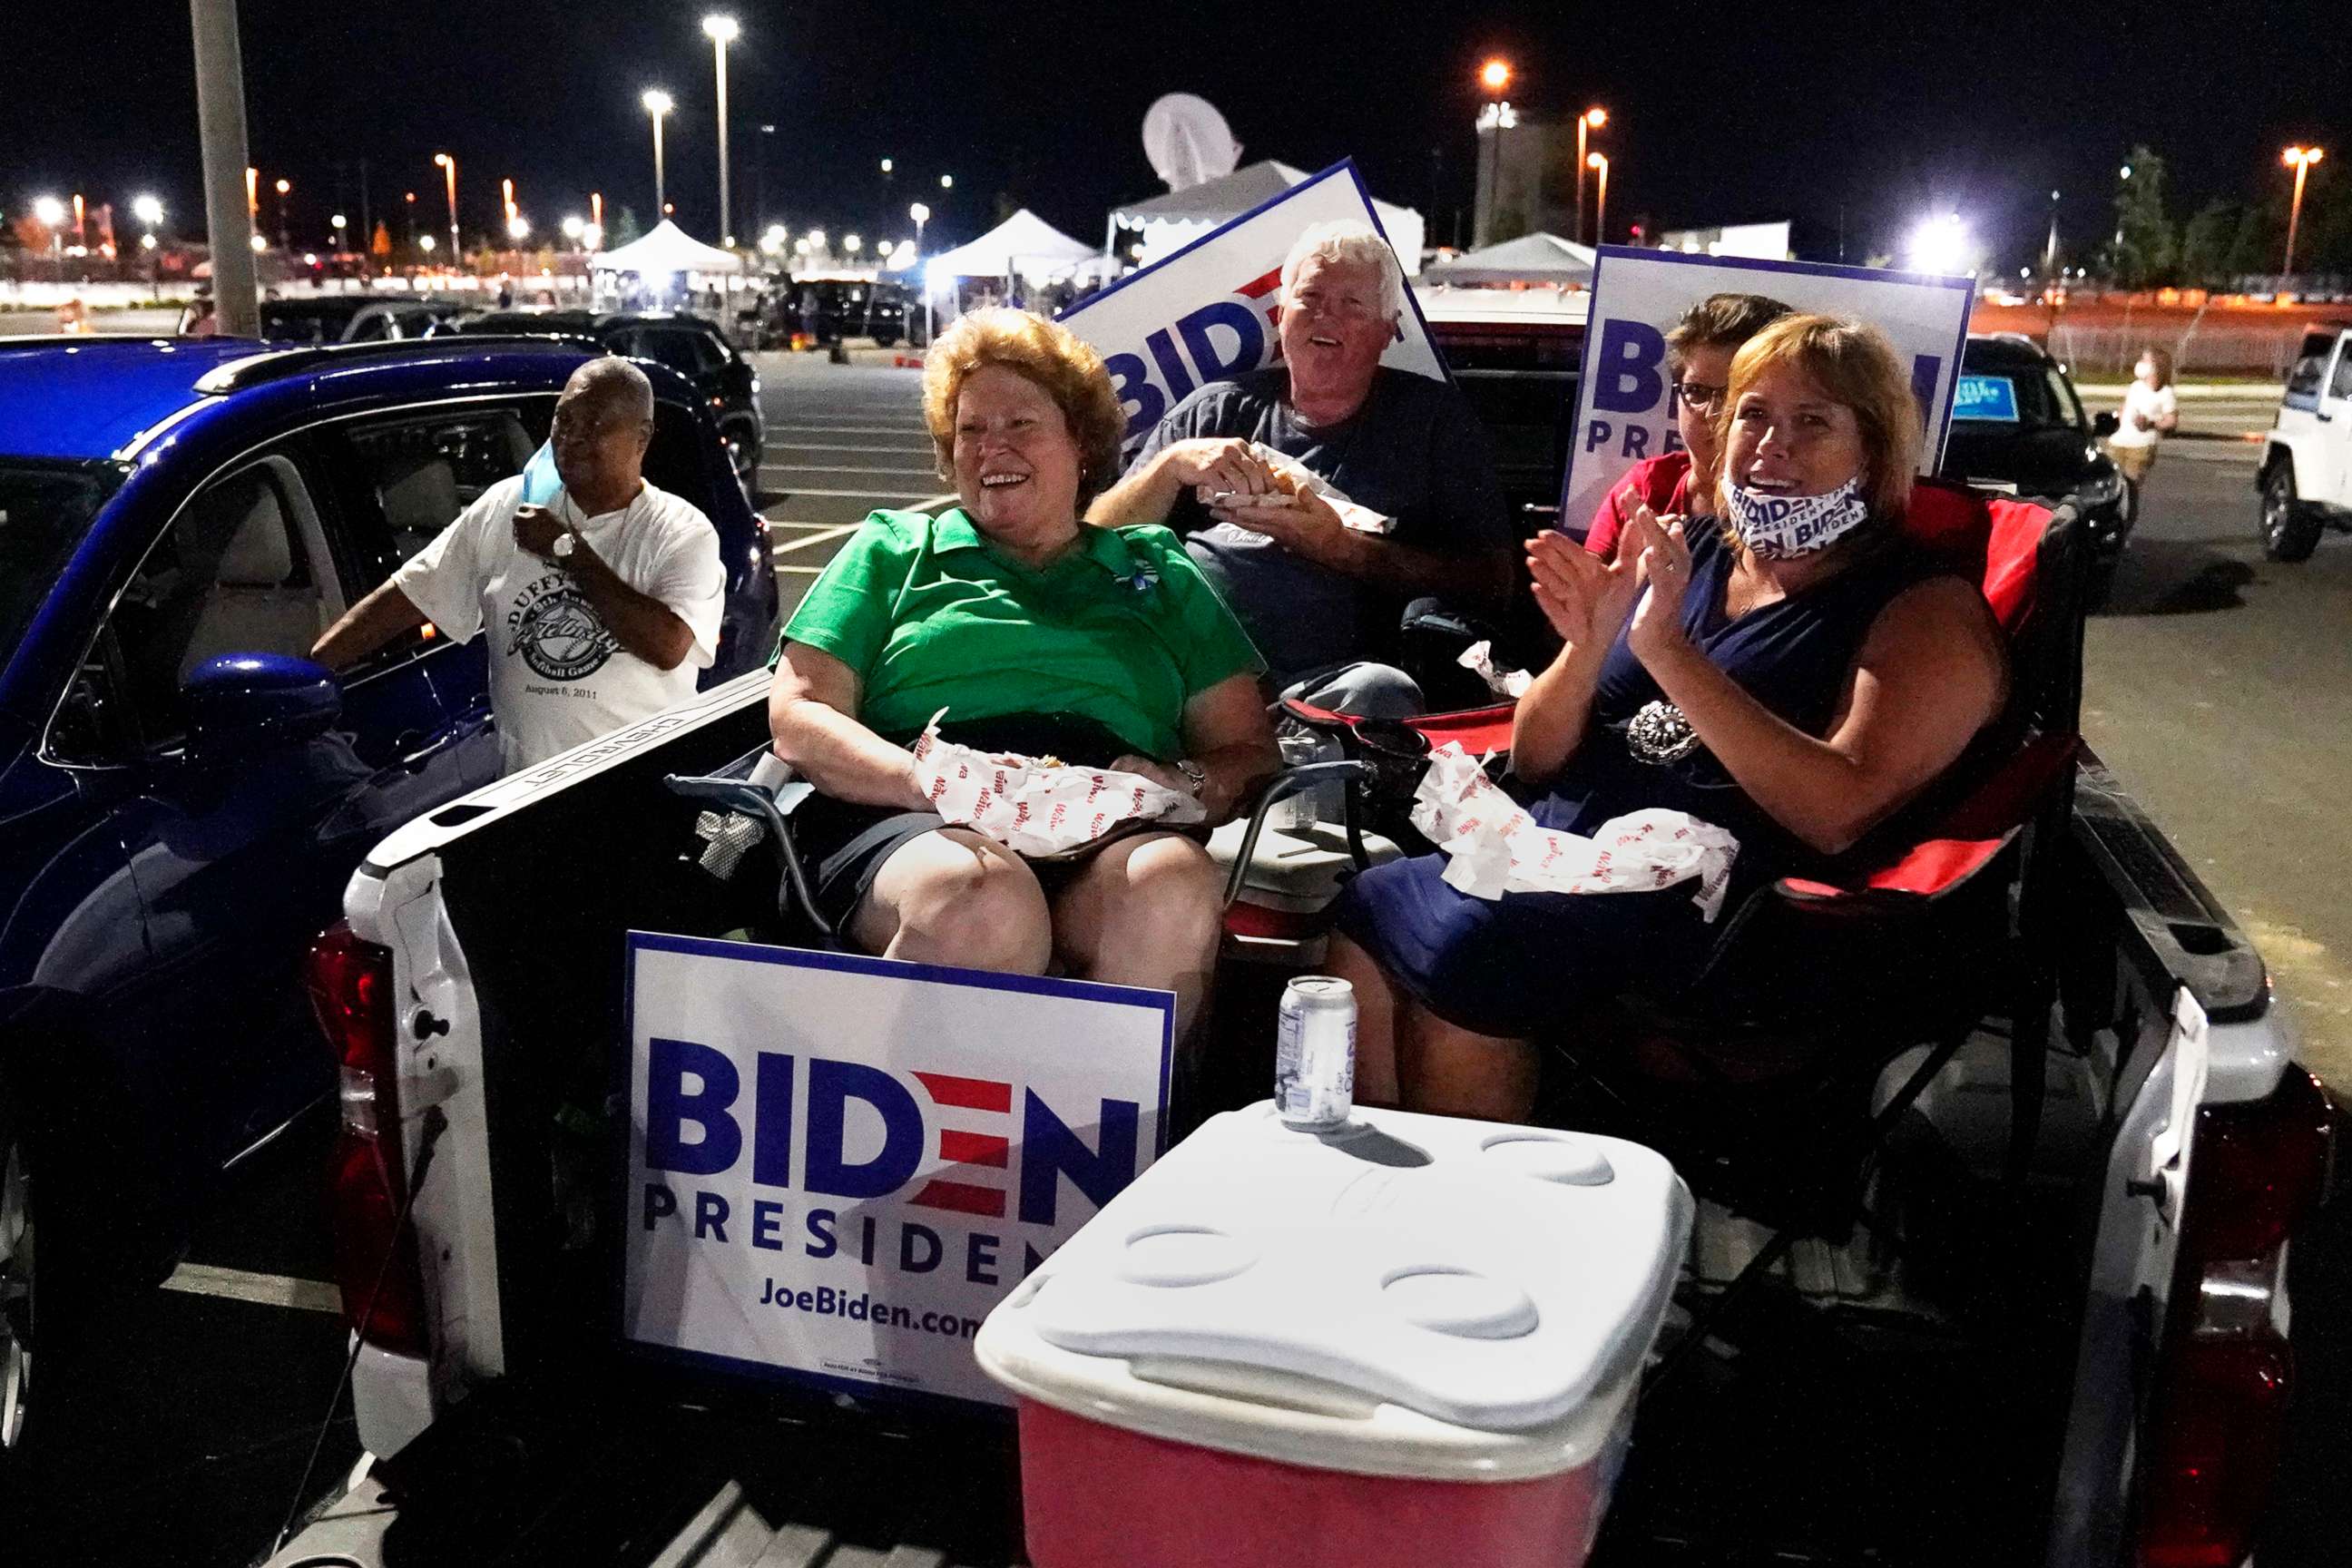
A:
(1777, 527)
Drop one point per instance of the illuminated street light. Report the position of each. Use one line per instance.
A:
(1494, 75)
(800, 245)
(772, 242)
(886, 165)
(591, 236)
(1599, 160)
(259, 244)
(574, 227)
(722, 31)
(1942, 244)
(2299, 159)
(852, 243)
(657, 104)
(946, 182)
(448, 166)
(1593, 119)
(517, 229)
(49, 211)
(147, 210)
(921, 215)
(424, 243)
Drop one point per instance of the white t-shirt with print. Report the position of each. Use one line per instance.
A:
(558, 678)
(2153, 403)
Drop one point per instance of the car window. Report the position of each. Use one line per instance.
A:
(2340, 385)
(230, 575)
(2310, 364)
(666, 345)
(373, 326)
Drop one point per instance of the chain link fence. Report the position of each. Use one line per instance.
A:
(2108, 352)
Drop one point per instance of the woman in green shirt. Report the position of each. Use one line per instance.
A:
(1038, 632)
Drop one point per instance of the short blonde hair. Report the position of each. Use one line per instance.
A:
(1856, 366)
(1347, 241)
(1061, 364)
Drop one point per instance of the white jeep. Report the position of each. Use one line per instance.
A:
(2306, 478)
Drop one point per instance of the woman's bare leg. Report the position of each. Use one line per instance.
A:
(1377, 1008)
(1453, 1071)
(953, 897)
(1145, 912)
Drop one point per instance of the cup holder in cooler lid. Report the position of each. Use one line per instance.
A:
(1496, 1287)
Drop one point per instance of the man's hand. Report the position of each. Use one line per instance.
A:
(536, 529)
(1307, 526)
(1217, 464)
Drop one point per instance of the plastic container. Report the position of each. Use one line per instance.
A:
(1414, 1342)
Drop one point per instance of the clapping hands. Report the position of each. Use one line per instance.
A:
(1588, 600)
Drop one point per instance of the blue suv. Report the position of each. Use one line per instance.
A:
(183, 795)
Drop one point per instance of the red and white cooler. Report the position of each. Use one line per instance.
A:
(1414, 1342)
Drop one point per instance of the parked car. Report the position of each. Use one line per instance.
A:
(838, 309)
(2305, 478)
(348, 319)
(2019, 427)
(690, 345)
(183, 795)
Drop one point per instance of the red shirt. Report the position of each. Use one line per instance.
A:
(1660, 483)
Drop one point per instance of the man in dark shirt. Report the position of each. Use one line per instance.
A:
(1319, 595)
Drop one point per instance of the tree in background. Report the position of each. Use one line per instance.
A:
(2145, 253)
(624, 229)
(2205, 243)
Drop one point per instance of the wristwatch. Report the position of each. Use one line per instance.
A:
(560, 551)
(1195, 774)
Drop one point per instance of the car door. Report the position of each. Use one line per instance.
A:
(2334, 420)
(224, 855)
(2300, 421)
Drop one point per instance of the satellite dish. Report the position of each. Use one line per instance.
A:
(1188, 141)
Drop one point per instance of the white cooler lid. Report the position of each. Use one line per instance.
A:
(1486, 1276)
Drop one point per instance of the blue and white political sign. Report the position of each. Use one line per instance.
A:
(1987, 397)
(1207, 313)
(1625, 402)
(837, 1165)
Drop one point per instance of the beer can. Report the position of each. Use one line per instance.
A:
(1315, 1052)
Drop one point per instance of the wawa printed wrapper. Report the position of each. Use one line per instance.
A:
(1034, 805)
(1493, 847)
(1353, 513)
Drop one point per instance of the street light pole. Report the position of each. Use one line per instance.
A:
(657, 103)
(220, 119)
(2299, 159)
(1599, 160)
(722, 31)
(1494, 76)
(449, 170)
(1593, 119)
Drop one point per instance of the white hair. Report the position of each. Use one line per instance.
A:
(1348, 242)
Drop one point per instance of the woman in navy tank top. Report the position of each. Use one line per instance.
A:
(1788, 668)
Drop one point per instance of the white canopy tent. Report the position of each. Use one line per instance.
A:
(666, 250)
(1024, 244)
(1166, 224)
(1535, 260)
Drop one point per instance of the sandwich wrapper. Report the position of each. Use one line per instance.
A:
(1493, 847)
(1033, 806)
(1355, 514)
(1479, 659)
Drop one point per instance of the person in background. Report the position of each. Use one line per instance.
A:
(1698, 356)
(1794, 673)
(1323, 600)
(2150, 412)
(201, 320)
(599, 608)
(1038, 632)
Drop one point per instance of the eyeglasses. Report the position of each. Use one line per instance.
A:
(1698, 394)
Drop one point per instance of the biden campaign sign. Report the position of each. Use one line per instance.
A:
(837, 1165)
(1626, 402)
(1208, 313)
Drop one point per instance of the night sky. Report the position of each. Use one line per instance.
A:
(1741, 112)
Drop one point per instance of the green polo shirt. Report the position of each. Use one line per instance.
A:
(1123, 630)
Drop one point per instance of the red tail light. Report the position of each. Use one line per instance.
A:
(2220, 1397)
(375, 1255)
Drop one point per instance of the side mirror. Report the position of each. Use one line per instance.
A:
(244, 705)
(2104, 425)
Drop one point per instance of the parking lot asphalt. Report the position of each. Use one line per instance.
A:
(175, 1430)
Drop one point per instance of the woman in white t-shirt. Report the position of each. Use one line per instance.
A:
(2150, 412)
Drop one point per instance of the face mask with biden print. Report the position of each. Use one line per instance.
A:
(1778, 527)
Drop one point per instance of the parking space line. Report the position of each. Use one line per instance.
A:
(801, 571)
(827, 537)
(801, 427)
(842, 447)
(261, 1289)
(832, 468)
(793, 491)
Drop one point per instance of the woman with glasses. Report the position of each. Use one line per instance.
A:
(1785, 667)
(1698, 355)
